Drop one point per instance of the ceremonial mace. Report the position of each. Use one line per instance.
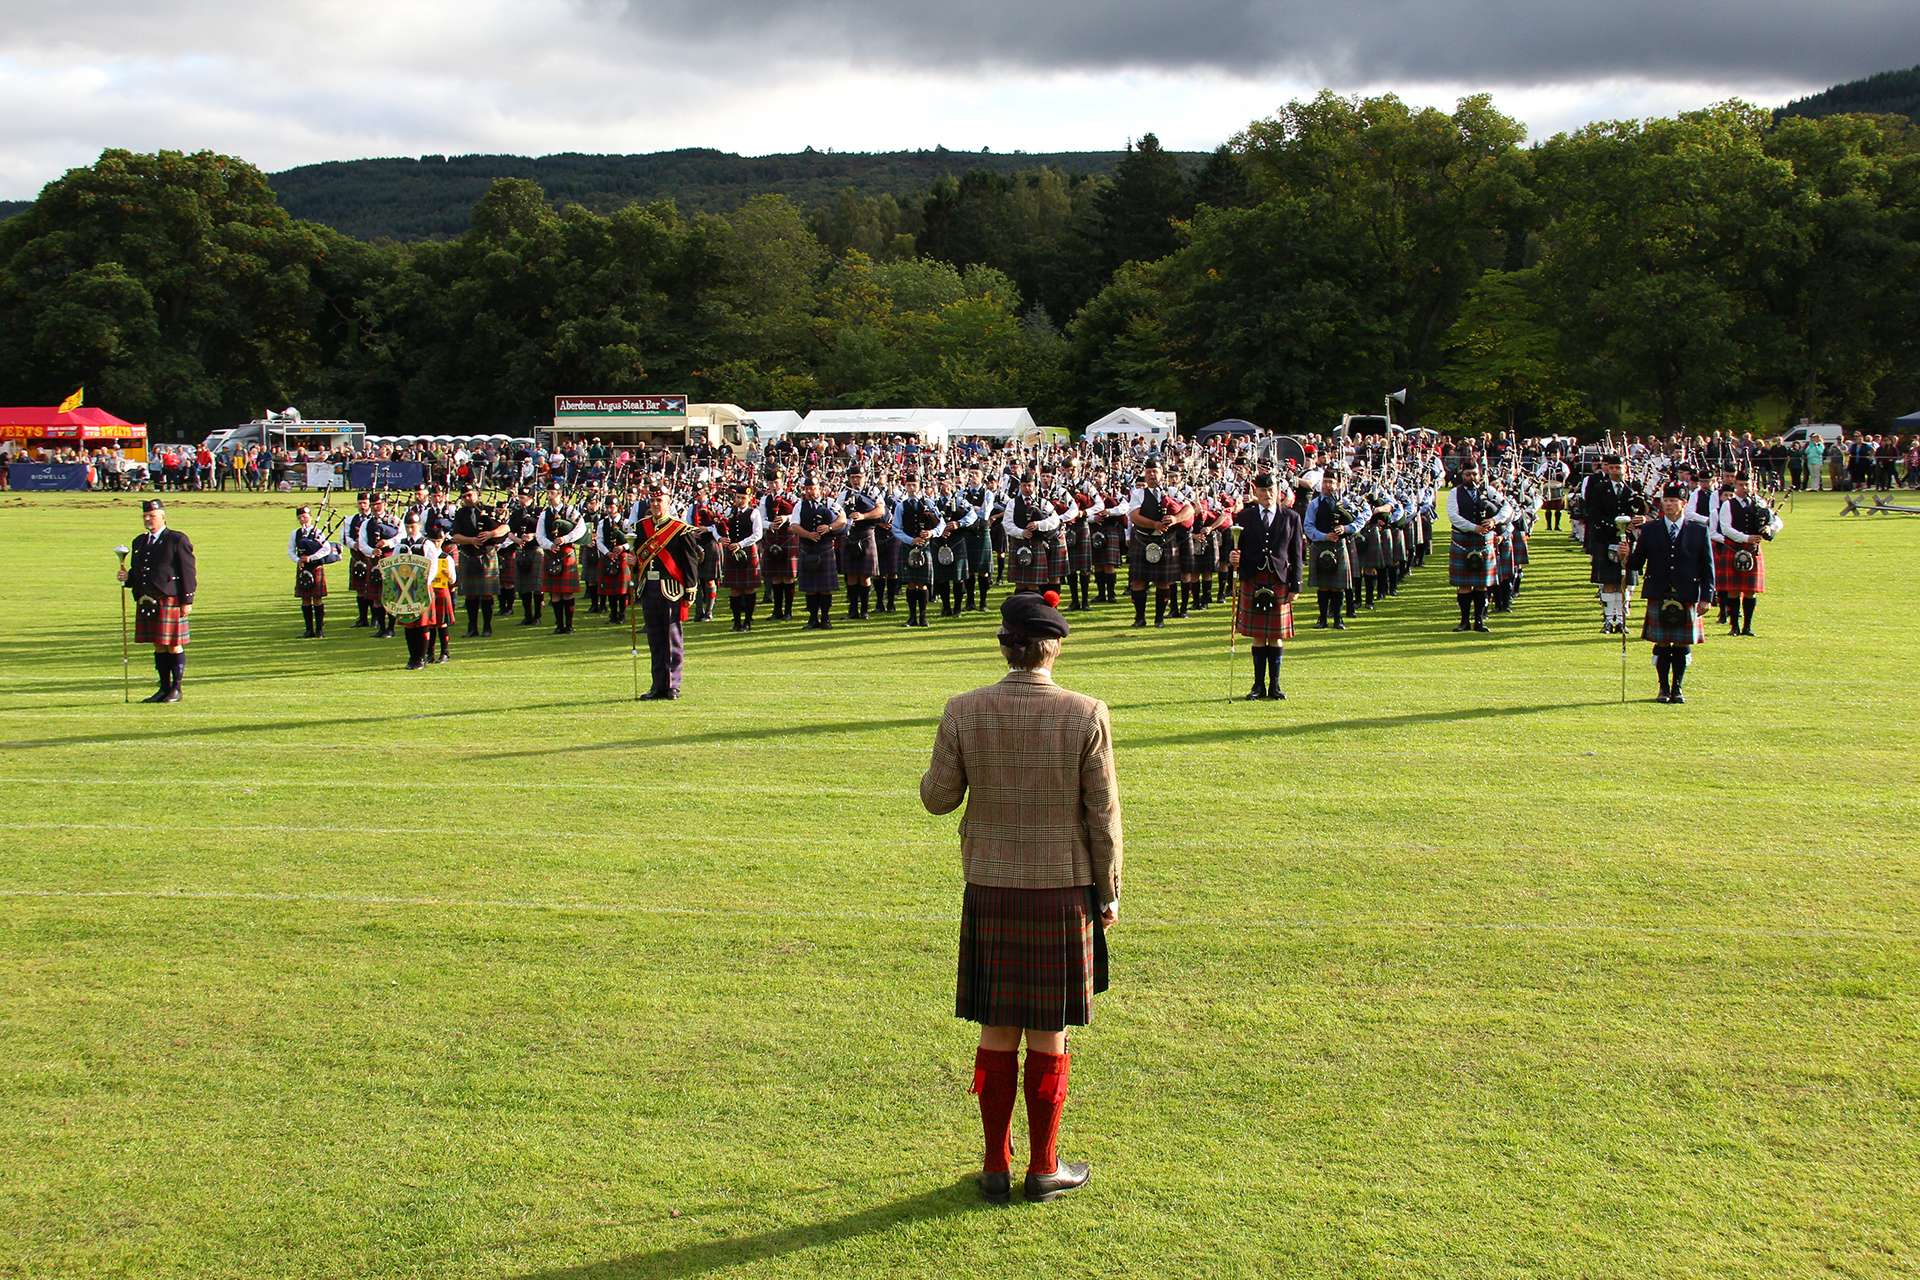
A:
(1624, 524)
(1233, 632)
(126, 689)
(633, 617)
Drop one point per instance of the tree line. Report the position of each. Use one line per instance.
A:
(1718, 268)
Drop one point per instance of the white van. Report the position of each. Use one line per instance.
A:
(1827, 431)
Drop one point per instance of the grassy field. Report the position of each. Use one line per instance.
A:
(1450, 965)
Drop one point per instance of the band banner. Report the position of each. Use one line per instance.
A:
(386, 475)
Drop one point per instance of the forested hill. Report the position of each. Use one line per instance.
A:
(433, 196)
(1891, 93)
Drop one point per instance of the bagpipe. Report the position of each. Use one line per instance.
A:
(782, 506)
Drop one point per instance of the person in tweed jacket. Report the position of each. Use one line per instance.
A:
(1040, 847)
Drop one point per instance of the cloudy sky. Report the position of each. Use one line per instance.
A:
(307, 80)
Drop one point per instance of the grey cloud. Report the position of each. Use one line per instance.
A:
(1494, 42)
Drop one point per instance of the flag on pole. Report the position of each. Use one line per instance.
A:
(73, 401)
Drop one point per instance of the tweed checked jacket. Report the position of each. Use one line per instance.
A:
(1035, 765)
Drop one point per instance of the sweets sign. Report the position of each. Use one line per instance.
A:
(619, 406)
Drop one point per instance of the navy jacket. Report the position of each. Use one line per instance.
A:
(1681, 570)
(1275, 546)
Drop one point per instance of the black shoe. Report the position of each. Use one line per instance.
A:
(1274, 694)
(1464, 626)
(414, 665)
(486, 633)
(1066, 1176)
(1258, 695)
(995, 1188)
(472, 633)
(652, 695)
(363, 623)
(1339, 625)
(1675, 698)
(1746, 631)
(1137, 622)
(1158, 622)
(1322, 624)
(158, 695)
(1663, 696)
(1481, 627)
(173, 695)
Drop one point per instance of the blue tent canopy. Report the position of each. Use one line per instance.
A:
(1226, 427)
(1910, 422)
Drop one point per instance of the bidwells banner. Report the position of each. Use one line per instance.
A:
(47, 475)
(386, 475)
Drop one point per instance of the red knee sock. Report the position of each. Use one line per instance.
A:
(996, 1078)
(1046, 1099)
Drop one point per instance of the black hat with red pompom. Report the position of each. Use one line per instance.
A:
(1027, 616)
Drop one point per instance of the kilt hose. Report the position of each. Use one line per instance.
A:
(1657, 628)
(1030, 957)
(479, 573)
(1742, 582)
(1112, 551)
(780, 565)
(1044, 564)
(1471, 562)
(317, 590)
(364, 575)
(560, 571)
(1145, 572)
(740, 569)
(862, 551)
(526, 569)
(160, 622)
(1329, 567)
(1268, 627)
(1080, 546)
(819, 572)
(616, 573)
(953, 569)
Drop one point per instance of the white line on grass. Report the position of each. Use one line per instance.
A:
(879, 917)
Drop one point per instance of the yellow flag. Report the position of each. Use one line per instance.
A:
(72, 402)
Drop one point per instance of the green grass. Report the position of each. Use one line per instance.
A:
(1451, 965)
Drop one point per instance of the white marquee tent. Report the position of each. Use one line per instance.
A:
(1149, 423)
(935, 426)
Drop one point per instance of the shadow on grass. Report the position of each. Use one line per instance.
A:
(717, 1255)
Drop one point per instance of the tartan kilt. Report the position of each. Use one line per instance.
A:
(526, 569)
(1522, 549)
(1044, 567)
(1692, 631)
(946, 573)
(1030, 957)
(1324, 573)
(1373, 547)
(1079, 547)
(1463, 570)
(1722, 564)
(616, 572)
(740, 569)
(887, 555)
(862, 552)
(1113, 553)
(1140, 570)
(1606, 570)
(318, 591)
(1505, 559)
(916, 575)
(366, 583)
(819, 572)
(1206, 552)
(479, 573)
(590, 567)
(439, 610)
(979, 547)
(1738, 582)
(560, 571)
(1180, 549)
(1270, 627)
(160, 624)
(781, 564)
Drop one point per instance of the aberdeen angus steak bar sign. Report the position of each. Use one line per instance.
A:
(619, 407)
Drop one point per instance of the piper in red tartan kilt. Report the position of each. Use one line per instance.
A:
(817, 528)
(559, 533)
(616, 566)
(1745, 524)
(357, 563)
(780, 547)
(163, 576)
(1042, 863)
(1036, 549)
(1679, 584)
(378, 535)
(1150, 558)
(1271, 545)
(739, 532)
(866, 531)
(1109, 544)
(309, 550)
